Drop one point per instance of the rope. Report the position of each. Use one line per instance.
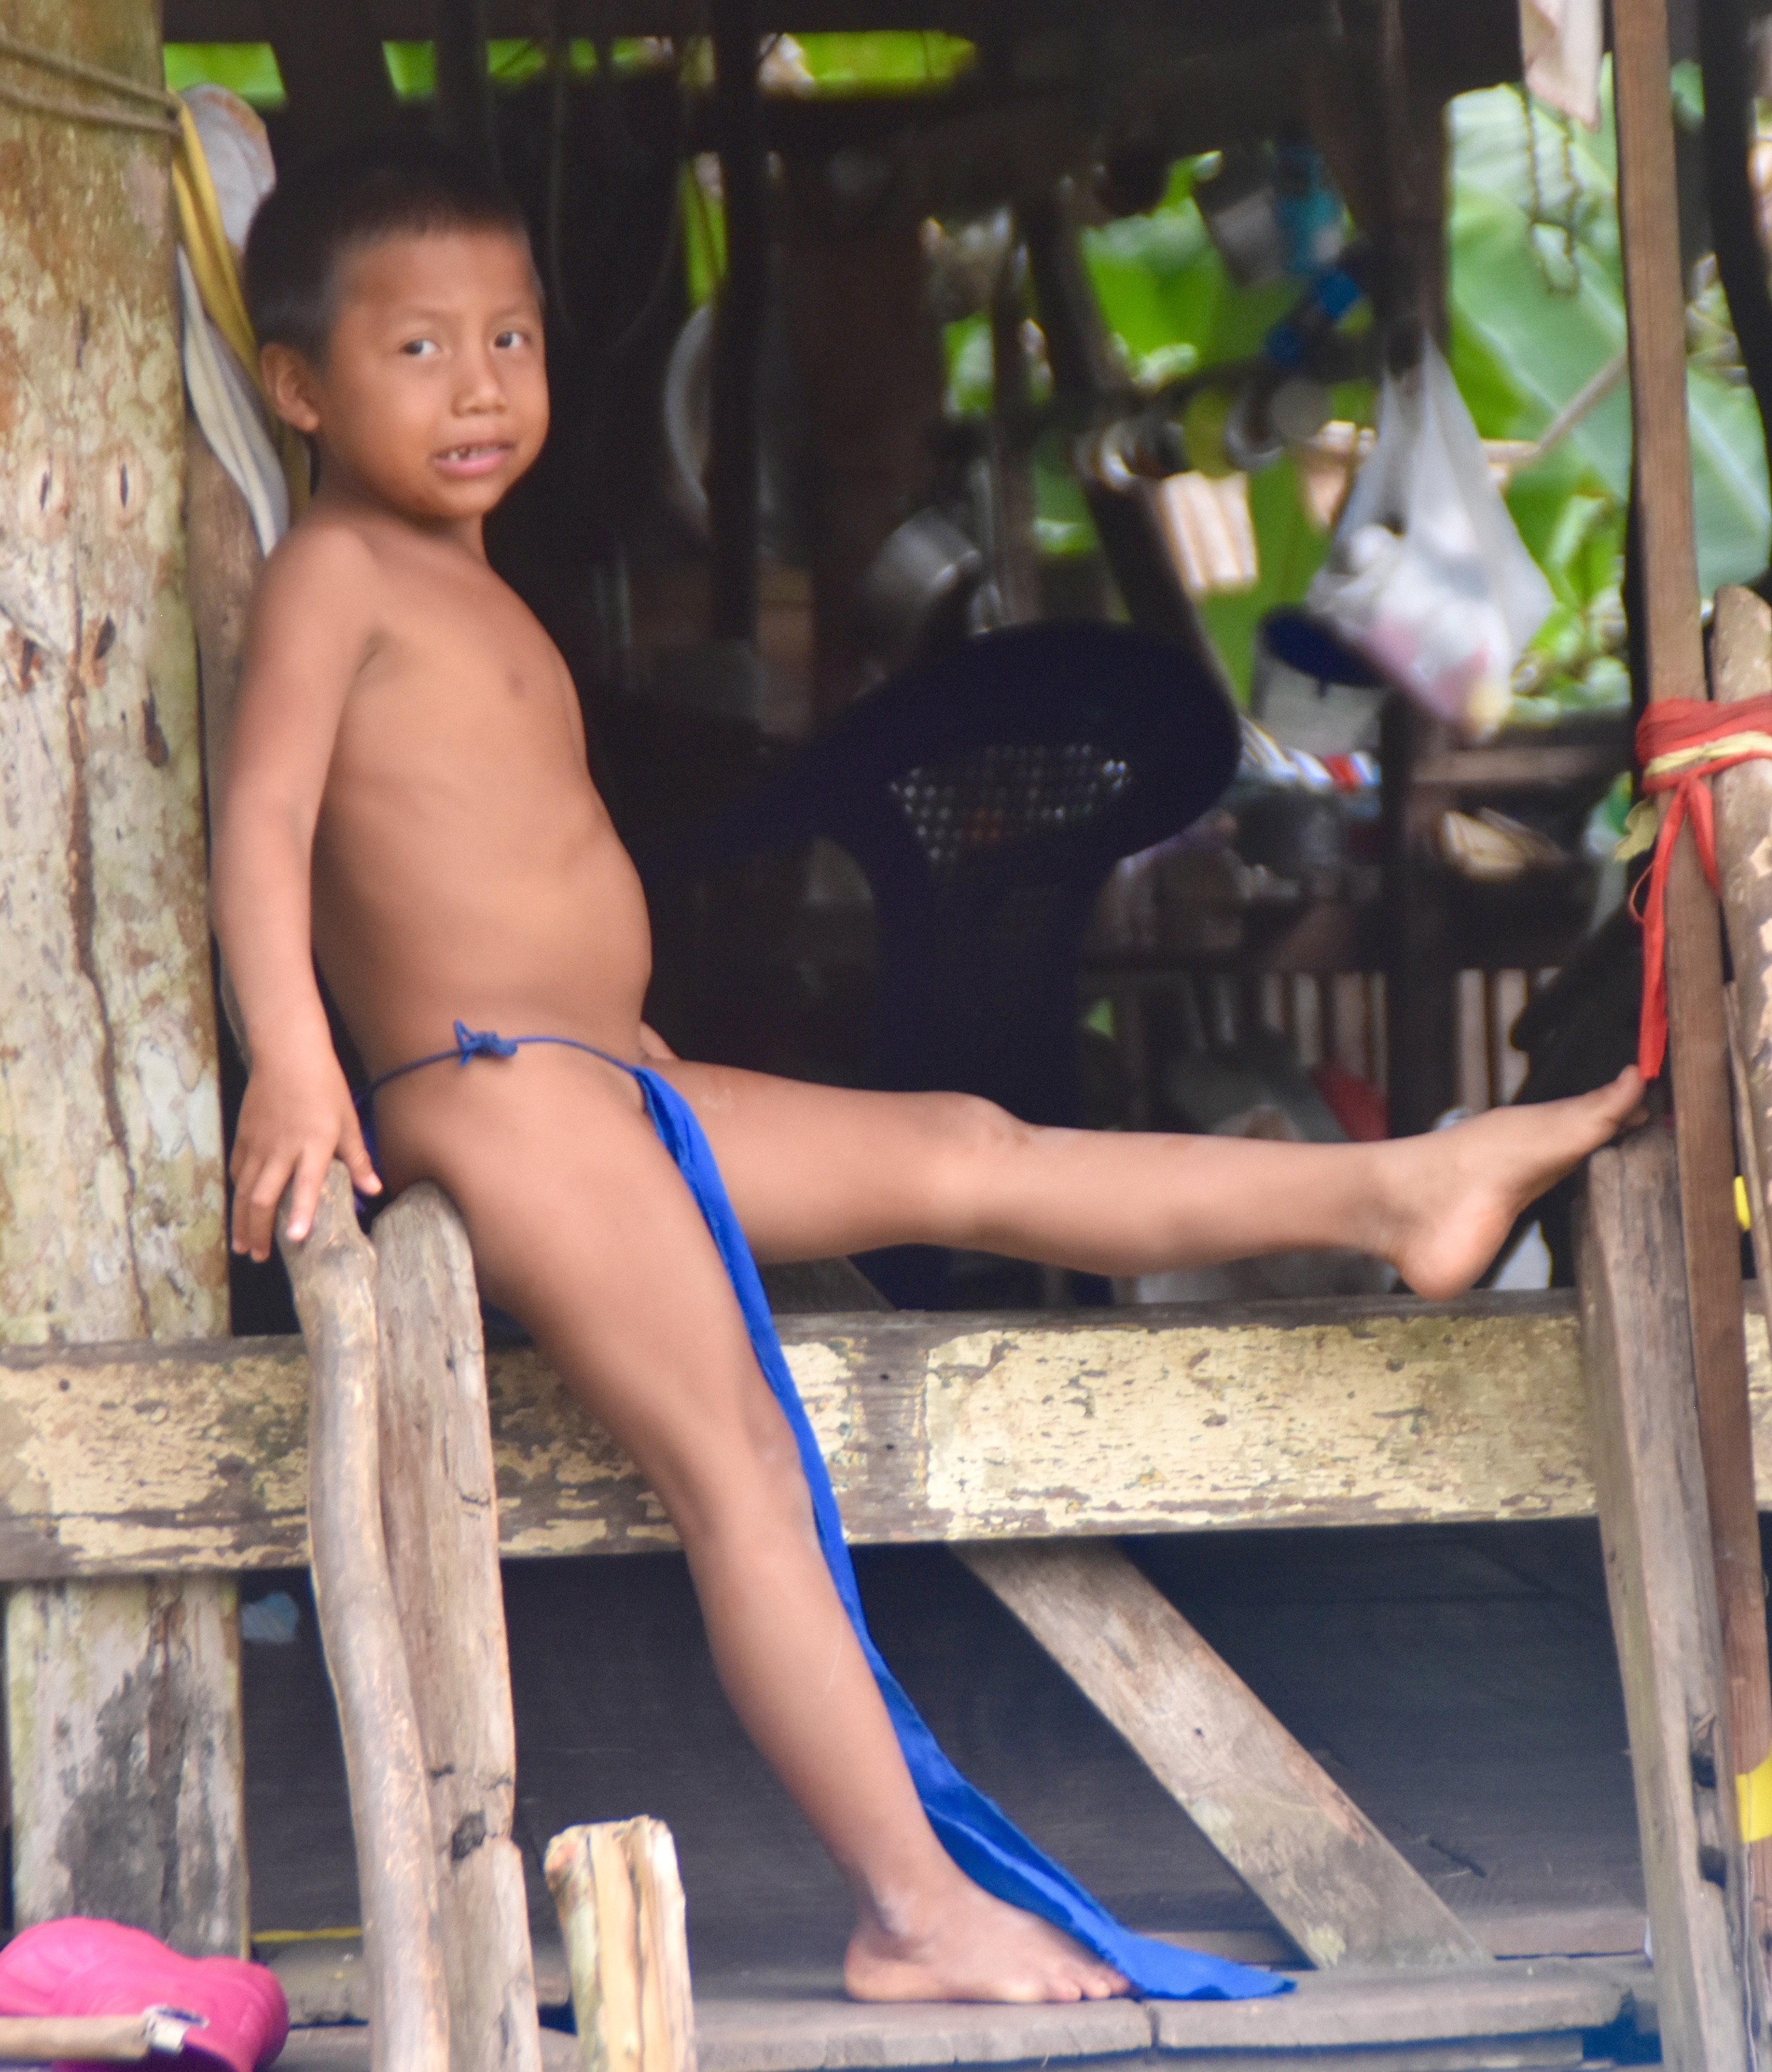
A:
(1680, 743)
(165, 124)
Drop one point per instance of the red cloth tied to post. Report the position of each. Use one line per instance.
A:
(1681, 742)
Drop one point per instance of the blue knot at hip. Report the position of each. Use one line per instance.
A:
(471, 1043)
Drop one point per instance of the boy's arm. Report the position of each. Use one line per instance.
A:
(312, 622)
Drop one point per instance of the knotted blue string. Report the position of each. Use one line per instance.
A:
(979, 1836)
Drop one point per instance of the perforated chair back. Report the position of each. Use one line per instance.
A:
(986, 796)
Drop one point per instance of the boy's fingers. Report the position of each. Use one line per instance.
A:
(261, 1199)
(310, 1173)
(358, 1162)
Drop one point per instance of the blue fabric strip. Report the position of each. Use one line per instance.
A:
(976, 1833)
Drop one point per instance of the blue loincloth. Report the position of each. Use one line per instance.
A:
(976, 1833)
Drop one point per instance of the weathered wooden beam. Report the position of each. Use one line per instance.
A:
(127, 1458)
(1323, 1870)
(440, 1520)
(1655, 1528)
(332, 1272)
(1698, 1067)
(110, 1122)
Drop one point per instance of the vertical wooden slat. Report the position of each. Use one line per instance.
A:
(1698, 1054)
(110, 1125)
(1636, 1353)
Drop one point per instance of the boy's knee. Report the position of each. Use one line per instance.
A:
(974, 1138)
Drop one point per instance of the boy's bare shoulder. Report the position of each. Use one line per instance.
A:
(323, 549)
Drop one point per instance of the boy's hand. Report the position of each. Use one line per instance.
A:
(298, 1114)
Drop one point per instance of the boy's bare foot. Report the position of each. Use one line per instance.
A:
(1454, 1195)
(977, 1948)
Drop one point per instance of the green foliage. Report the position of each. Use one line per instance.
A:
(887, 61)
(247, 69)
(1538, 307)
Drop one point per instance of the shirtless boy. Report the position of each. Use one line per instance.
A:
(407, 803)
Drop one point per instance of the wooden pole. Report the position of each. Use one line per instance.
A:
(130, 1804)
(1636, 1353)
(440, 1515)
(1698, 1037)
(622, 1912)
(733, 435)
(332, 1272)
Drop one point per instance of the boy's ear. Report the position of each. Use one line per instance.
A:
(290, 383)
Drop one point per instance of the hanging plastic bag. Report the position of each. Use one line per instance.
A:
(1426, 575)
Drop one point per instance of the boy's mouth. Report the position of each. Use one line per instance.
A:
(480, 459)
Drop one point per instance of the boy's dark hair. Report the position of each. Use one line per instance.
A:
(338, 201)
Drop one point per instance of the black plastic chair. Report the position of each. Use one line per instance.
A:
(986, 796)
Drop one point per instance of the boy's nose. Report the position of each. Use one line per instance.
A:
(480, 388)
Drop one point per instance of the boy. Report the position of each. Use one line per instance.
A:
(407, 803)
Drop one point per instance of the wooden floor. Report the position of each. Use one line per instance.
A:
(1459, 1682)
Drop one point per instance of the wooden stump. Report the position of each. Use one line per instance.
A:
(1296, 1840)
(440, 1515)
(621, 1911)
(110, 1122)
(333, 1274)
(1655, 1526)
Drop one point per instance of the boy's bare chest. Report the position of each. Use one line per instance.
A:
(473, 656)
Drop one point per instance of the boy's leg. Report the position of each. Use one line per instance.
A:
(582, 1227)
(815, 1170)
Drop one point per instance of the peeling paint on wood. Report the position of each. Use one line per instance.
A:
(116, 1459)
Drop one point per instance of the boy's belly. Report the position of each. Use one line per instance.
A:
(526, 949)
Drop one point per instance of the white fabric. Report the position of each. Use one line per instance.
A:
(1560, 41)
(227, 410)
(238, 152)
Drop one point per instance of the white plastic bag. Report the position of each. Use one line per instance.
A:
(1426, 575)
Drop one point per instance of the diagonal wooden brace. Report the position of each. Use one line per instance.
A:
(1332, 1881)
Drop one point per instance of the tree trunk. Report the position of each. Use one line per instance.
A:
(111, 1195)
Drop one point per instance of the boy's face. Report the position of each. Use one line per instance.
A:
(433, 397)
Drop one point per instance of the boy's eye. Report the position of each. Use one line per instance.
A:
(506, 340)
(419, 348)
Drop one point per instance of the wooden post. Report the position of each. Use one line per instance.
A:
(333, 1274)
(1636, 1352)
(622, 1912)
(1296, 1840)
(110, 1126)
(733, 462)
(439, 1515)
(869, 360)
(1698, 1047)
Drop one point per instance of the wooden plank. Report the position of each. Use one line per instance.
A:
(1662, 1584)
(1332, 2010)
(332, 1273)
(121, 1459)
(439, 1517)
(1323, 1870)
(122, 1701)
(1742, 668)
(1498, 2015)
(1698, 1044)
